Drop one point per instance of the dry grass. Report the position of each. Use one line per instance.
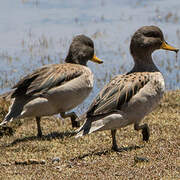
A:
(91, 157)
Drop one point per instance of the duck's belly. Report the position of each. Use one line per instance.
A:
(61, 99)
(138, 108)
(54, 105)
(146, 100)
(68, 100)
(70, 95)
(133, 112)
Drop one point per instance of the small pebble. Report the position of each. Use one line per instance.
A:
(5, 164)
(140, 159)
(59, 168)
(56, 159)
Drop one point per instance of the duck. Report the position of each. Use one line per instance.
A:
(129, 97)
(55, 88)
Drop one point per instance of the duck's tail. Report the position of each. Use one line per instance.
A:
(89, 126)
(8, 117)
(15, 109)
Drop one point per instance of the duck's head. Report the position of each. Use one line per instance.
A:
(148, 39)
(81, 50)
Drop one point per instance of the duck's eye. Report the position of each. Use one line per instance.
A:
(90, 44)
(152, 34)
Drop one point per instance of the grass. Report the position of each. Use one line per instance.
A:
(24, 156)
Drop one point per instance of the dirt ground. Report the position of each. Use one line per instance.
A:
(58, 155)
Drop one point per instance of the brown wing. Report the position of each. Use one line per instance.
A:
(118, 92)
(46, 78)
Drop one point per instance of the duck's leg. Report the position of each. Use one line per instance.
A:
(114, 144)
(73, 117)
(39, 134)
(145, 131)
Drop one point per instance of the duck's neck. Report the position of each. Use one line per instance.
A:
(144, 64)
(75, 60)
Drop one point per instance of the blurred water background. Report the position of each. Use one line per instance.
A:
(38, 32)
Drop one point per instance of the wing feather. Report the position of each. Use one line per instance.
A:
(118, 92)
(45, 78)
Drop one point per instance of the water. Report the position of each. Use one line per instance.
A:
(37, 32)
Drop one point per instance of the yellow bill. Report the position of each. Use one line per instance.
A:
(96, 60)
(168, 47)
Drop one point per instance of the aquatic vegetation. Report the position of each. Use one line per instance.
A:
(39, 33)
